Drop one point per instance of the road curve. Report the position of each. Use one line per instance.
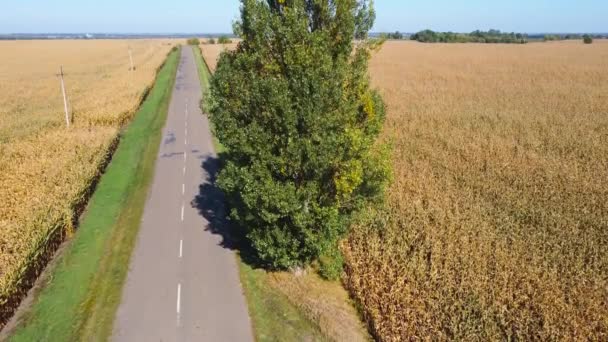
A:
(183, 282)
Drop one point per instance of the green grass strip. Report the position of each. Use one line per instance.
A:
(274, 317)
(83, 291)
(204, 76)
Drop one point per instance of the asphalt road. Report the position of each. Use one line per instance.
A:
(183, 282)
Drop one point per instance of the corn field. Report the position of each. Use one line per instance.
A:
(46, 170)
(496, 224)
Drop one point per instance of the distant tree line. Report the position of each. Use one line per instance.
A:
(395, 36)
(220, 40)
(224, 40)
(193, 41)
(491, 36)
(587, 38)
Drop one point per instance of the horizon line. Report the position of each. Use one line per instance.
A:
(232, 34)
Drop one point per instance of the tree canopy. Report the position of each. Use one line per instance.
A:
(587, 39)
(193, 41)
(397, 35)
(293, 106)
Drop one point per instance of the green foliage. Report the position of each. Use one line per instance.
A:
(193, 41)
(294, 109)
(224, 40)
(397, 35)
(211, 41)
(587, 39)
(331, 263)
(551, 37)
(490, 37)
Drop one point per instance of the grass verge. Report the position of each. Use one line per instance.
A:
(273, 315)
(204, 75)
(80, 296)
(284, 307)
(203, 72)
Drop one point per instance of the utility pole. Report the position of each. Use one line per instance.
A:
(132, 69)
(65, 97)
(131, 59)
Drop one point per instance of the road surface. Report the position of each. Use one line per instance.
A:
(183, 282)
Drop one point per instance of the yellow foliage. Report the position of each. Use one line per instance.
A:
(368, 106)
(348, 178)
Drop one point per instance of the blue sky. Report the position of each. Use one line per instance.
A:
(213, 16)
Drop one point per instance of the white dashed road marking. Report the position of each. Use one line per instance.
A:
(179, 297)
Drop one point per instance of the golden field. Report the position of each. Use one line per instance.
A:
(211, 52)
(497, 218)
(46, 169)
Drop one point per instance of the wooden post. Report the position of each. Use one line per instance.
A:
(131, 59)
(132, 70)
(65, 98)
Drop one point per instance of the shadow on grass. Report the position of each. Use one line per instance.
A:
(211, 204)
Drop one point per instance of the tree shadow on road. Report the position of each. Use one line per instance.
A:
(211, 204)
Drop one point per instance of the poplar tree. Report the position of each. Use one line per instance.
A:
(294, 109)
